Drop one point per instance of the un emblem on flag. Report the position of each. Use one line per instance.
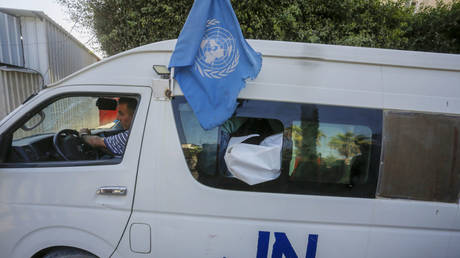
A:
(217, 56)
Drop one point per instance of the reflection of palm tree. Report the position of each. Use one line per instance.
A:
(297, 131)
(361, 140)
(348, 144)
(297, 137)
(319, 136)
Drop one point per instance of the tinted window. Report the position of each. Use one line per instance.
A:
(326, 150)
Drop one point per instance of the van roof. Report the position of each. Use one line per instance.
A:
(376, 56)
(320, 52)
(313, 73)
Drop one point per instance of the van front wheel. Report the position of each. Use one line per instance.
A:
(68, 253)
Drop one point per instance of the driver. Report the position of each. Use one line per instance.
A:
(116, 144)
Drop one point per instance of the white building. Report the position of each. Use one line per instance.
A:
(34, 51)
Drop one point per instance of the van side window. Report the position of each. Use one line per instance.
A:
(421, 157)
(71, 128)
(325, 150)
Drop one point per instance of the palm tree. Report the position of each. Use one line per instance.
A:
(347, 144)
(319, 136)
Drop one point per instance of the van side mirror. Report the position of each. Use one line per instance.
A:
(106, 104)
(34, 121)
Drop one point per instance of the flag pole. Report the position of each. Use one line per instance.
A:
(171, 81)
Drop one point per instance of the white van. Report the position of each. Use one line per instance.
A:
(370, 161)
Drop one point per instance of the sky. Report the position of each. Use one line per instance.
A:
(56, 12)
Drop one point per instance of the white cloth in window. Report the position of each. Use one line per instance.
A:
(254, 164)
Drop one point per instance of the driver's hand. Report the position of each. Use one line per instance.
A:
(85, 131)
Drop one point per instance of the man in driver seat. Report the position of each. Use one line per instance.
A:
(116, 144)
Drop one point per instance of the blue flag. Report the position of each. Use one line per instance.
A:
(212, 60)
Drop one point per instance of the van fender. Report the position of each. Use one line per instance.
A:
(47, 237)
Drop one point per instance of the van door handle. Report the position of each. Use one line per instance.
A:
(111, 190)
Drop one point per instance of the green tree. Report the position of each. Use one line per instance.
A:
(436, 28)
(347, 144)
(320, 136)
(297, 135)
(123, 24)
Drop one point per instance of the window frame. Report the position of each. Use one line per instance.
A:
(279, 185)
(43, 104)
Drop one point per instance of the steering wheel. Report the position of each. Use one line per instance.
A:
(69, 145)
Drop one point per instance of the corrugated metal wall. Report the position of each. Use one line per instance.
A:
(44, 46)
(15, 87)
(11, 51)
(65, 55)
(35, 45)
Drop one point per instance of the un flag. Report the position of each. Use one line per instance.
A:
(212, 60)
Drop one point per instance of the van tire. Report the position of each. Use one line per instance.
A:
(68, 253)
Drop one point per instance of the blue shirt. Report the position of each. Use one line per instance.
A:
(117, 143)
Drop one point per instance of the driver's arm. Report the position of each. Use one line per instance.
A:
(94, 141)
